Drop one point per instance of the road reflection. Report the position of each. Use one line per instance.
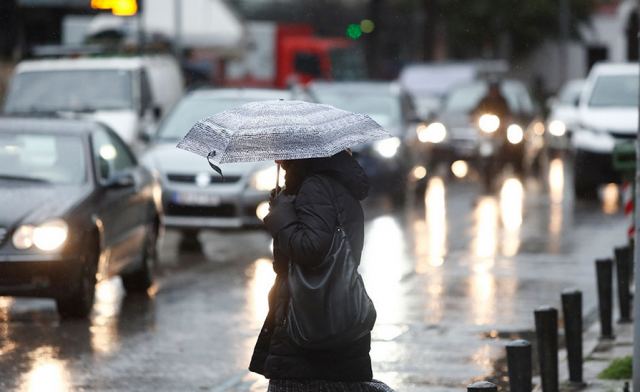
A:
(261, 279)
(47, 374)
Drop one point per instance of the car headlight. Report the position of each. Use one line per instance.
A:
(489, 123)
(48, 236)
(265, 179)
(515, 134)
(387, 148)
(557, 128)
(433, 133)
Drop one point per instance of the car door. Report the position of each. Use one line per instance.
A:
(123, 208)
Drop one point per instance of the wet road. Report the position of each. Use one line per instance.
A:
(451, 276)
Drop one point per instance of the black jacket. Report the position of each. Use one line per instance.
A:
(302, 224)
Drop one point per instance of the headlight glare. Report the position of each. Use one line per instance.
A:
(388, 148)
(23, 237)
(557, 128)
(265, 179)
(489, 123)
(433, 133)
(48, 236)
(515, 134)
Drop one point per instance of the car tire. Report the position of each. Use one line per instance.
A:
(583, 185)
(79, 302)
(140, 279)
(189, 241)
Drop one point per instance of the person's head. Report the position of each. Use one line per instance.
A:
(494, 88)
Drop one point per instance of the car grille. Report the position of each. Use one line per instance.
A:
(221, 211)
(191, 179)
(624, 136)
(3, 234)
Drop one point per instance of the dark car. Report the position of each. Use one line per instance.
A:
(75, 207)
(386, 162)
(460, 132)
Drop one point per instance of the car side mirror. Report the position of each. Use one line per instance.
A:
(157, 112)
(121, 181)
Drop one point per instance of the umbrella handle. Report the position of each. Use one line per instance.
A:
(278, 179)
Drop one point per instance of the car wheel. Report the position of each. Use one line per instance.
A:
(140, 279)
(79, 302)
(583, 185)
(189, 241)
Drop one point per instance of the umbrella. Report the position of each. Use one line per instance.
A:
(279, 130)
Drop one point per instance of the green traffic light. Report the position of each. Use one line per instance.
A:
(354, 31)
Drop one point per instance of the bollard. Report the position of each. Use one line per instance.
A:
(623, 274)
(547, 335)
(482, 386)
(604, 274)
(519, 365)
(572, 311)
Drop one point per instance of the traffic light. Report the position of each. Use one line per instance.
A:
(117, 7)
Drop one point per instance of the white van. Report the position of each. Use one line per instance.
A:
(607, 115)
(129, 94)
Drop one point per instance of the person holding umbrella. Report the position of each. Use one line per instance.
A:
(316, 336)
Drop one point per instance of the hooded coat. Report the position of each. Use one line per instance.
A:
(302, 222)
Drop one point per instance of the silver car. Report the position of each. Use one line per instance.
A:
(194, 196)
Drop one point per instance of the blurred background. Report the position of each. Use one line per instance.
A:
(510, 169)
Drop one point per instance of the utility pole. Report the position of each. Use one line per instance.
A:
(564, 22)
(177, 21)
(636, 259)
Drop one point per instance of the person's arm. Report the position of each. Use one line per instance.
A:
(303, 227)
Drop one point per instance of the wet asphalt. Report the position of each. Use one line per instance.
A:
(454, 276)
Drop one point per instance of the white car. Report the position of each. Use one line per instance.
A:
(563, 115)
(607, 116)
(194, 197)
(128, 94)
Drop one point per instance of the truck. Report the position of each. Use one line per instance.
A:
(278, 55)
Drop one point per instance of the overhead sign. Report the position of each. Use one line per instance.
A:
(117, 7)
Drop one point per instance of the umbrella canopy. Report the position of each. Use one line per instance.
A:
(279, 130)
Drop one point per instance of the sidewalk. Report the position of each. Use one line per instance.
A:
(598, 354)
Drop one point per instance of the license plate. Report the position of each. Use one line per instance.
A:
(486, 148)
(197, 199)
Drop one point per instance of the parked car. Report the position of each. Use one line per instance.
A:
(607, 115)
(75, 206)
(386, 162)
(459, 133)
(193, 195)
(129, 94)
(563, 115)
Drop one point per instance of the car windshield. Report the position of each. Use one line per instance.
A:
(190, 111)
(570, 94)
(464, 99)
(384, 109)
(47, 158)
(615, 91)
(70, 90)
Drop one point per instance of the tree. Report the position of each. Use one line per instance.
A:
(489, 28)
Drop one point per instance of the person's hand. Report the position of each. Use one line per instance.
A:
(282, 212)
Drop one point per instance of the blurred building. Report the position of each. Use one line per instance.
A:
(611, 35)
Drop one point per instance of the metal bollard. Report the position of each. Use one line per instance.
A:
(519, 365)
(482, 386)
(604, 274)
(572, 311)
(623, 274)
(547, 335)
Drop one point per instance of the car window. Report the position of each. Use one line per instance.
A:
(57, 159)
(111, 155)
(385, 109)
(146, 99)
(191, 110)
(615, 91)
(77, 90)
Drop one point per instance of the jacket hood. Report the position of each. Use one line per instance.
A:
(346, 170)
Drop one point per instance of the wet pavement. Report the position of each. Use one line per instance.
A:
(452, 276)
